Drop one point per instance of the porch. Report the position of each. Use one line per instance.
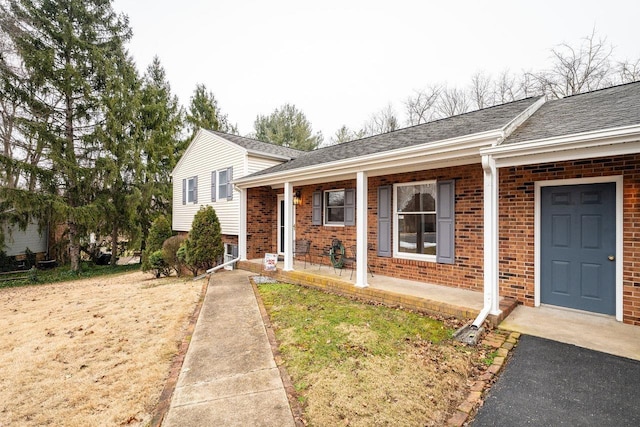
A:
(423, 297)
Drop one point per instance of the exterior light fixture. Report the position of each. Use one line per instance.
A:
(297, 199)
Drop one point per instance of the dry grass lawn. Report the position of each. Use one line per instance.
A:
(90, 352)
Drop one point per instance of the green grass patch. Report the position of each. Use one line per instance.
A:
(316, 329)
(63, 274)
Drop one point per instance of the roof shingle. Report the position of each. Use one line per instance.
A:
(602, 109)
(474, 122)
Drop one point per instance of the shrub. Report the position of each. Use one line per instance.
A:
(159, 232)
(204, 246)
(158, 266)
(170, 249)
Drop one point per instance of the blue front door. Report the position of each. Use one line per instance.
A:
(577, 236)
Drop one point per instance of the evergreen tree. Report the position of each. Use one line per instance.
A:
(119, 198)
(204, 246)
(204, 112)
(289, 127)
(65, 47)
(160, 147)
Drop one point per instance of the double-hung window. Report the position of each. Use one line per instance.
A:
(222, 184)
(190, 190)
(415, 220)
(334, 203)
(221, 188)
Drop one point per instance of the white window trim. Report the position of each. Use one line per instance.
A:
(190, 194)
(325, 206)
(218, 180)
(394, 235)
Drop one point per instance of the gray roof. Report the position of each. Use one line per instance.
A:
(484, 120)
(259, 146)
(598, 110)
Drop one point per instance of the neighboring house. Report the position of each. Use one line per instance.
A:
(204, 173)
(17, 241)
(535, 200)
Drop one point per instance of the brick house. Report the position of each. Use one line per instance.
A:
(533, 200)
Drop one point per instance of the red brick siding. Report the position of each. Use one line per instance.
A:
(517, 204)
(467, 272)
(262, 222)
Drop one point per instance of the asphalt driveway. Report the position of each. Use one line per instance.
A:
(547, 383)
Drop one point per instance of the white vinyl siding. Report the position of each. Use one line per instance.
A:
(256, 164)
(206, 154)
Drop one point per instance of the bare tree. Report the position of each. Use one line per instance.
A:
(578, 69)
(420, 107)
(480, 91)
(385, 120)
(453, 101)
(629, 71)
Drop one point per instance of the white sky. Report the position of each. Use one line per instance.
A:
(341, 61)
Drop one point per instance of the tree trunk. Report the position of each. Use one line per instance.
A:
(74, 247)
(114, 245)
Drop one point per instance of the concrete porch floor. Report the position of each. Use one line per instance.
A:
(592, 331)
(457, 302)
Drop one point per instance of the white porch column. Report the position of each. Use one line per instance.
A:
(288, 226)
(491, 282)
(361, 229)
(242, 230)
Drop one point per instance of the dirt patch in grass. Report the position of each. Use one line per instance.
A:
(361, 364)
(90, 352)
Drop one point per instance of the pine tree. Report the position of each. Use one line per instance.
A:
(161, 145)
(65, 46)
(289, 127)
(204, 112)
(119, 197)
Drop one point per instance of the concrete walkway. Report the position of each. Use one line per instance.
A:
(229, 376)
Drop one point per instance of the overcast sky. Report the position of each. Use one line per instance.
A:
(341, 61)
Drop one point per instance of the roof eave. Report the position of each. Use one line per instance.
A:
(591, 144)
(431, 152)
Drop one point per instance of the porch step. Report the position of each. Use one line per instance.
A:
(344, 287)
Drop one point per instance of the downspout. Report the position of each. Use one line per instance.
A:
(490, 174)
(216, 268)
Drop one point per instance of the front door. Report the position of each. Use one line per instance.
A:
(578, 229)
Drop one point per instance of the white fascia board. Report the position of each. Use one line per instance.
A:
(433, 152)
(521, 118)
(264, 155)
(581, 145)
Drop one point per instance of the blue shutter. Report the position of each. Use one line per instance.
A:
(195, 189)
(384, 220)
(213, 186)
(446, 224)
(350, 207)
(229, 185)
(316, 208)
(184, 191)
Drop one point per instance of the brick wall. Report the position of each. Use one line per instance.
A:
(517, 275)
(467, 272)
(261, 221)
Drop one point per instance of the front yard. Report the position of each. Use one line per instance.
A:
(90, 352)
(360, 364)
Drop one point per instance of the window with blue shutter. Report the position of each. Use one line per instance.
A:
(316, 208)
(384, 220)
(350, 206)
(446, 223)
(229, 185)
